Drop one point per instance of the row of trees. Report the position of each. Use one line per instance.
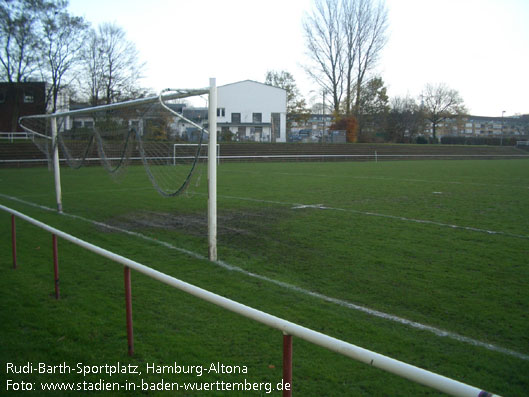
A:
(344, 39)
(41, 40)
(396, 119)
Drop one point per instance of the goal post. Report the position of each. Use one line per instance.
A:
(212, 171)
(140, 131)
(56, 165)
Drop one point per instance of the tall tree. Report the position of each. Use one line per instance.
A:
(440, 102)
(111, 68)
(405, 119)
(324, 37)
(121, 66)
(372, 107)
(296, 104)
(63, 39)
(92, 68)
(344, 39)
(19, 38)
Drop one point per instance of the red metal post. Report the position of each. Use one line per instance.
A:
(55, 265)
(128, 308)
(287, 365)
(14, 240)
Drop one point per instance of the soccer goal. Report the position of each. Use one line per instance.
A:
(143, 132)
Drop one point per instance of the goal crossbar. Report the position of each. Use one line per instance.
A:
(177, 94)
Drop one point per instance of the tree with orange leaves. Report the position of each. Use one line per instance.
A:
(349, 124)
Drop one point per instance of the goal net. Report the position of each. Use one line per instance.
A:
(144, 131)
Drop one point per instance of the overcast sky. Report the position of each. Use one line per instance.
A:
(478, 47)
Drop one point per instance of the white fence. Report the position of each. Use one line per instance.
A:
(11, 136)
(288, 328)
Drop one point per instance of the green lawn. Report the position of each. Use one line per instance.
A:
(444, 244)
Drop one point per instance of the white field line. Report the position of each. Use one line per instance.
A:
(368, 213)
(385, 179)
(375, 313)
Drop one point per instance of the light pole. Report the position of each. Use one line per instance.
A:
(501, 136)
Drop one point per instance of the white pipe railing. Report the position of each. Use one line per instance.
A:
(11, 136)
(388, 364)
(299, 157)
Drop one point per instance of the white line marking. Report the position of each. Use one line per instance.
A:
(400, 218)
(383, 178)
(339, 302)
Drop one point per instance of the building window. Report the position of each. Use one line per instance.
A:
(2, 95)
(257, 117)
(29, 96)
(221, 112)
(236, 118)
(258, 134)
(276, 125)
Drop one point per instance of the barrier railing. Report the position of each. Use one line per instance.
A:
(288, 328)
(11, 136)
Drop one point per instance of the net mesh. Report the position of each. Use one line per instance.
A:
(155, 132)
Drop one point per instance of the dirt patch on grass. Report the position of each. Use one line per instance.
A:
(229, 223)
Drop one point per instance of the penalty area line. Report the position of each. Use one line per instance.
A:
(372, 312)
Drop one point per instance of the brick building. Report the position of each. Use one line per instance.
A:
(20, 99)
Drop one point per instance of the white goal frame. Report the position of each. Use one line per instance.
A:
(211, 91)
(192, 157)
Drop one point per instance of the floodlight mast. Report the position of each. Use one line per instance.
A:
(212, 171)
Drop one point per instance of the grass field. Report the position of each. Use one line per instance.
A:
(442, 244)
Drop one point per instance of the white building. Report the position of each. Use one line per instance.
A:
(252, 111)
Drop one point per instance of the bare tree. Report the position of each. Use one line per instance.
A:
(351, 30)
(439, 102)
(372, 21)
(19, 52)
(93, 68)
(405, 119)
(121, 67)
(62, 41)
(324, 36)
(344, 40)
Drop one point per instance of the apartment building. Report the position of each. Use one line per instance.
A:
(481, 126)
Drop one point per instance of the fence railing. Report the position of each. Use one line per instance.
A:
(288, 328)
(298, 157)
(11, 136)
